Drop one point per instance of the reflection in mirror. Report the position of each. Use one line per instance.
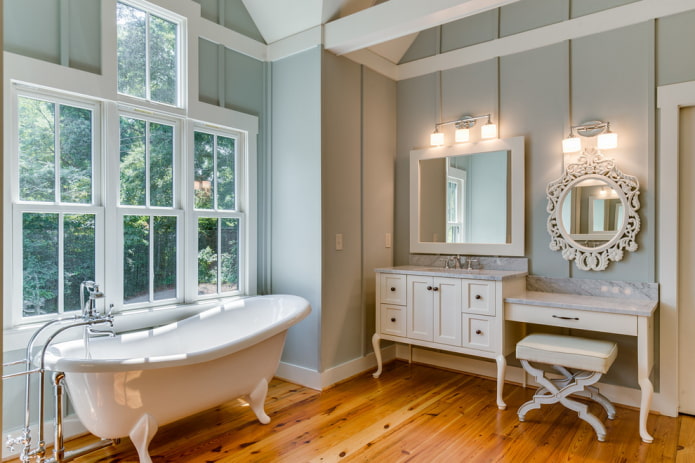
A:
(468, 199)
(464, 198)
(592, 212)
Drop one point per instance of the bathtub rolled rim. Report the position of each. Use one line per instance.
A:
(54, 360)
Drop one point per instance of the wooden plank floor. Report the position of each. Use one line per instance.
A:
(413, 413)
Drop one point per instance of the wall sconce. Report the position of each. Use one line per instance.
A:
(606, 138)
(463, 126)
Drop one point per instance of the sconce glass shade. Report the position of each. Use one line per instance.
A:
(608, 140)
(462, 135)
(437, 138)
(571, 145)
(488, 131)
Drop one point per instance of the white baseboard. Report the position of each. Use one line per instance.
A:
(321, 380)
(72, 427)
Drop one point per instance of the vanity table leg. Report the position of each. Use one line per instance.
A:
(501, 369)
(645, 359)
(376, 343)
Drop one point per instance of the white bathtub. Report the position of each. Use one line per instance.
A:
(131, 384)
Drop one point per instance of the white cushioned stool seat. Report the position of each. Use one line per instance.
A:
(589, 358)
(568, 351)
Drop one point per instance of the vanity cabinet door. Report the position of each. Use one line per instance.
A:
(447, 311)
(392, 288)
(420, 315)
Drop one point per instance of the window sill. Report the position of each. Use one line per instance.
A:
(16, 338)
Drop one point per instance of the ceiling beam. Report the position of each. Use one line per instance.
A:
(396, 18)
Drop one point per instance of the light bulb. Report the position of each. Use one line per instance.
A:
(571, 145)
(608, 140)
(462, 135)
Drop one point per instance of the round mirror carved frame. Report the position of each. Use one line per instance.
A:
(592, 164)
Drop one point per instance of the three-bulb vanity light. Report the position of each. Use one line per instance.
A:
(463, 126)
(606, 138)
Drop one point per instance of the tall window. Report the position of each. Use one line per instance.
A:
(215, 193)
(54, 216)
(147, 55)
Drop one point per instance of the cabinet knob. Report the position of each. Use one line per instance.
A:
(436, 288)
(478, 332)
(429, 288)
(393, 320)
(478, 296)
(392, 288)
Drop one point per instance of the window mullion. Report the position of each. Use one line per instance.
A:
(219, 253)
(61, 262)
(151, 252)
(214, 173)
(148, 94)
(56, 151)
(147, 163)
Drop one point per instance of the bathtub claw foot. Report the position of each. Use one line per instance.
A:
(257, 401)
(142, 434)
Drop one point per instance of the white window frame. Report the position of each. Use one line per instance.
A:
(19, 207)
(102, 88)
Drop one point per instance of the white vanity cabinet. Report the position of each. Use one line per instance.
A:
(446, 309)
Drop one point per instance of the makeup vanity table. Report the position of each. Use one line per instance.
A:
(631, 317)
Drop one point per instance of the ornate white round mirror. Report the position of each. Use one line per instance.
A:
(593, 212)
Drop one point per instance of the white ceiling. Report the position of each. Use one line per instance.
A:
(386, 27)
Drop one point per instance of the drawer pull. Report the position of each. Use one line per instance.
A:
(478, 332)
(565, 318)
(478, 296)
(429, 288)
(436, 288)
(392, 288)
(393, 320)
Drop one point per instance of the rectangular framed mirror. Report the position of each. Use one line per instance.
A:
(468, 198)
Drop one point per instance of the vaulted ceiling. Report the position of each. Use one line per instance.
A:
(386, 27)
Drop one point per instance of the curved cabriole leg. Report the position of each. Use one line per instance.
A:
(501, 369)
(257, 401)
(142, 434)
(376, 343)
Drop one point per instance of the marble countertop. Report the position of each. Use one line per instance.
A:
(475, 274)
(620, 305)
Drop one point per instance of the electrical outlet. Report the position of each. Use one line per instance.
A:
(339, 242)
(387, 240)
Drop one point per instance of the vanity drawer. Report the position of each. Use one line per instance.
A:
(478, 297)
(573, 318)
(477, 333)
(392, 288)
(392, 320)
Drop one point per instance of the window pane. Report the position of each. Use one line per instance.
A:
(75, 155)
(161, 165)
(36, 150)
(39, 263)
(229, 255)
(136, 258)
(164, 250)
(207, 255)
(131, 51)
(225, 173)
(132, 162)
(204, 166)
(78, 257)
(163, 60)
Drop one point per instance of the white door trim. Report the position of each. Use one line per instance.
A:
(670, 98)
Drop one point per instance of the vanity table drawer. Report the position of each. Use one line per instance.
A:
(392, 320)
(478, 297)
(477, 333)
(392, 288)
(573, 318)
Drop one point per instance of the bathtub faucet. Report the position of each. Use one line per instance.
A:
(89, 308)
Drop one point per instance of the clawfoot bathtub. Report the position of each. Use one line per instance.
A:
(131, 384)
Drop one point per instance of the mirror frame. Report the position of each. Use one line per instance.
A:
(515, 247)
(592, 165)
